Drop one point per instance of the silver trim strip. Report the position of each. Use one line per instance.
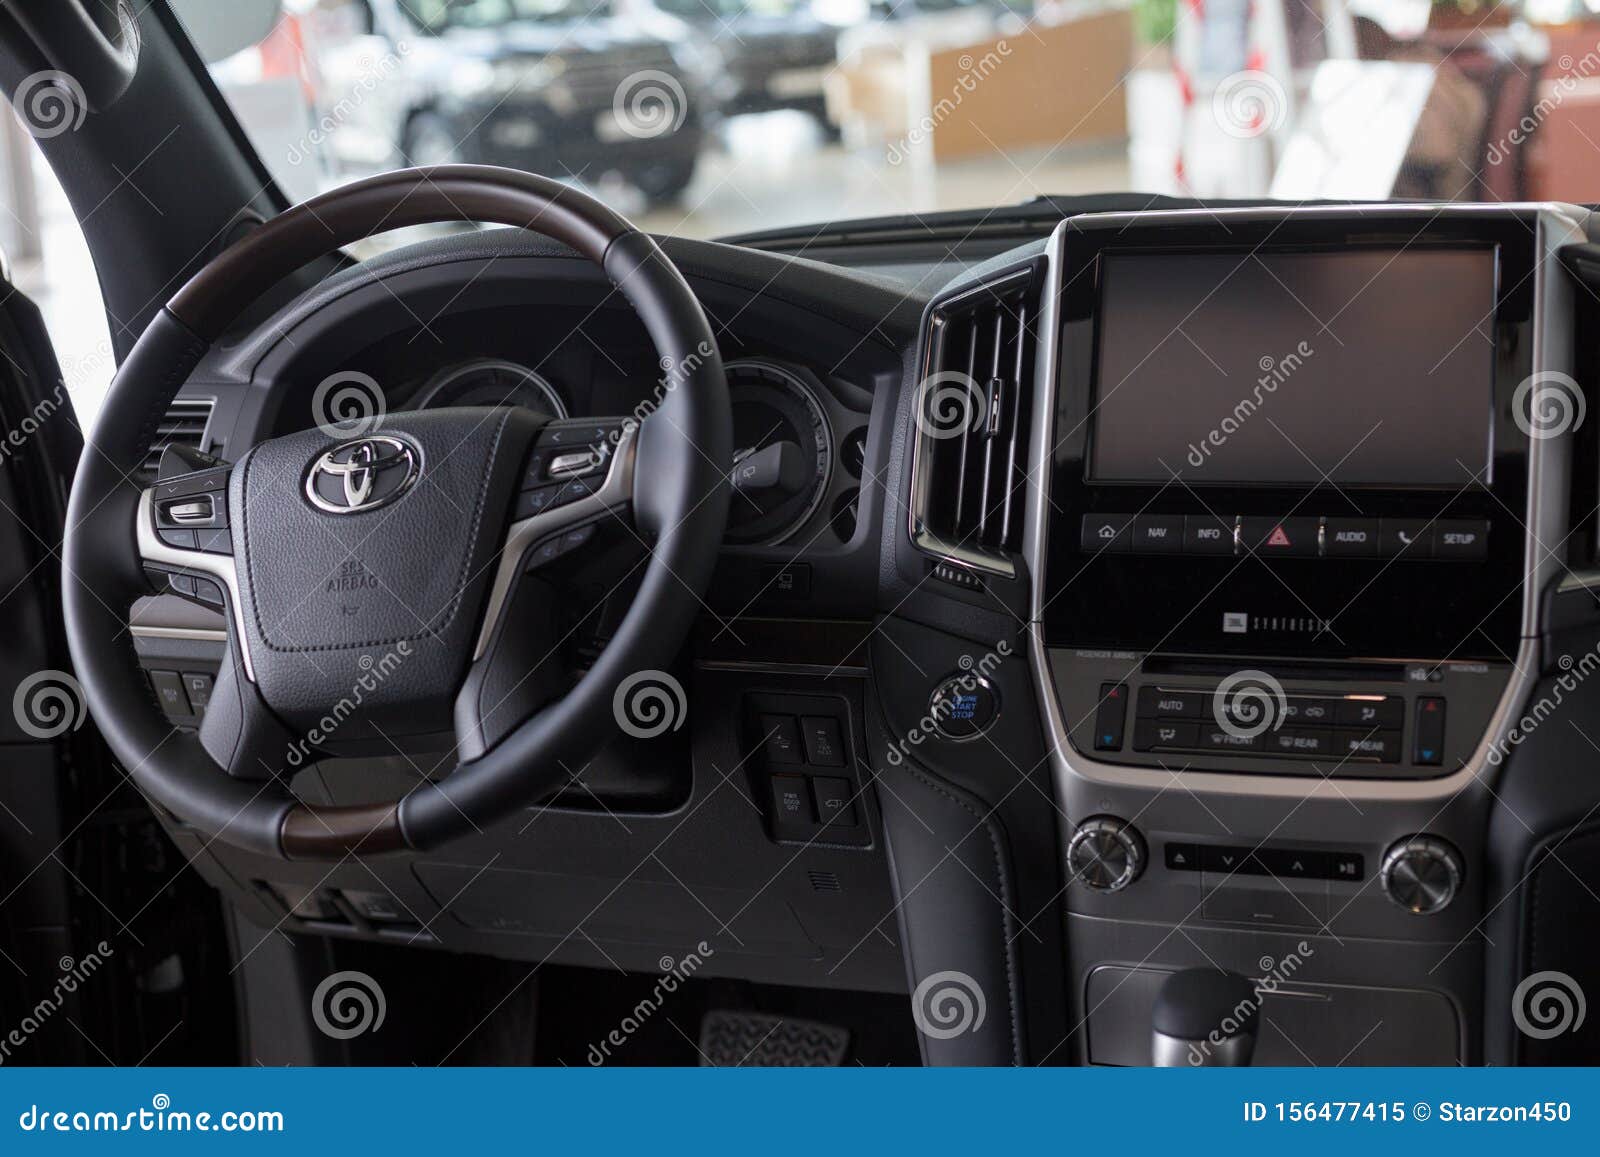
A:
(192, 634)
(1548, 466)
(615, 492)
(217, 566)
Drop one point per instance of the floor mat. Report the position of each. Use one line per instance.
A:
(730, 1039)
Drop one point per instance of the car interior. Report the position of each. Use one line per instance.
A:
(1113, 628)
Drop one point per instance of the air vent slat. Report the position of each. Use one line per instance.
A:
(970, 479)
(184, 423)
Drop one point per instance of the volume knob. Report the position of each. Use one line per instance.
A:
(1422, 874)
(1105, 854)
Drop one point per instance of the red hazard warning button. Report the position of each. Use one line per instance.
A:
(1277, 537)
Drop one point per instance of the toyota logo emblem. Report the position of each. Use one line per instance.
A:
(362, 475)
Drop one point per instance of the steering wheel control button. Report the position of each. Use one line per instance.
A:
(214, 541)
(170, 693)
(780, 738)
(1109, 716)
(820, 736)
(1428, 735)
(1105, 854)
(197, 685)
(531, 502)
(835, 801)
(962, 706)
(178, 539)
(1422, 874)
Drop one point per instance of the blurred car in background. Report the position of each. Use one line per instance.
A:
(568, 88)
(765, 54)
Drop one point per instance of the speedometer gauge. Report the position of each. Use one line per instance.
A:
(491, 382)
(783, 453)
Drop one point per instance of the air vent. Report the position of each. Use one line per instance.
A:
(823, 881)
(973, 413)
(184, 423)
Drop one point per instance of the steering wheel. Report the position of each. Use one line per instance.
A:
(386, 581)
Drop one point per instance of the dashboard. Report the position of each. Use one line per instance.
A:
(1166, 593)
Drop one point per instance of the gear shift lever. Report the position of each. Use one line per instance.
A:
(1204, 1016)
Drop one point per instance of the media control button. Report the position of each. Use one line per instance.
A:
(1279, 537)
(1207, 534)
(1158, 534)
(1112, 533)
(1289, 864)
(1460, 538)
(1183, 857)
(1350, 538)
(1153, 701)
(1370, 713)
(1406, 538)
(1428, 738)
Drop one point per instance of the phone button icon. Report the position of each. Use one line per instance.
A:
(1409, 538)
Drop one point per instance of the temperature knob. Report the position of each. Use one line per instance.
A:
(1422, 874)
(1105, 853)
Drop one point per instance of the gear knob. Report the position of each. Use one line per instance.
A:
(1205, 1016)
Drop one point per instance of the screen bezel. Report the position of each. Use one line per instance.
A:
(1138, 602)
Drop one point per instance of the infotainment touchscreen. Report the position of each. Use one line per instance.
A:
(1356, 367)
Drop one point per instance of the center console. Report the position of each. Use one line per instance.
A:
(1301, 470)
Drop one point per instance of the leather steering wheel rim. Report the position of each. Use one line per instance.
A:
(682, 508)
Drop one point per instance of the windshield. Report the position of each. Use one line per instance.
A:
(718, 117)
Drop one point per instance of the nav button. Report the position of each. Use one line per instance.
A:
(1158, 534)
